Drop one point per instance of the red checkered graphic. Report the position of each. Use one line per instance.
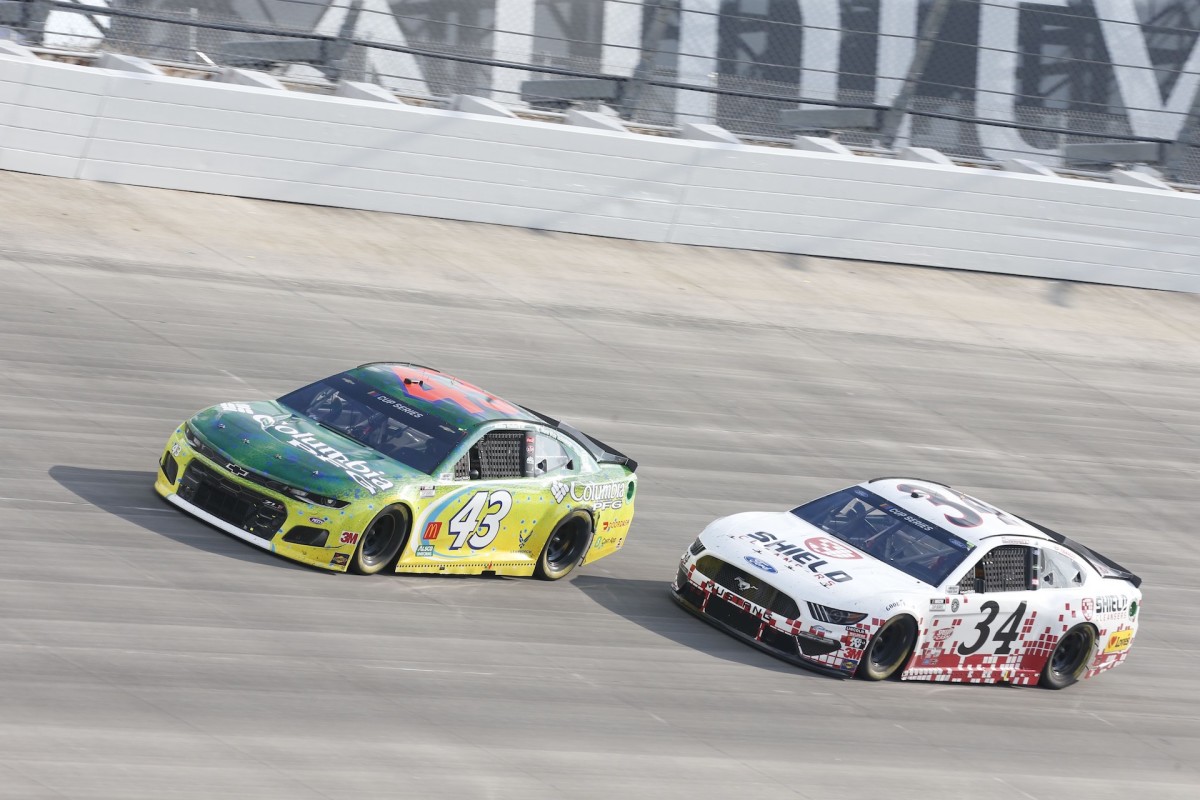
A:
(830, 548)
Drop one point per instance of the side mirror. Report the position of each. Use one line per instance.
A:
(541, 467)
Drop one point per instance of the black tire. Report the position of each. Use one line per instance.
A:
(381, 542)
(565, 547)
(1069, 657)
(889, 649)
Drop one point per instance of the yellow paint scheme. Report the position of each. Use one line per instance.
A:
(521, 532)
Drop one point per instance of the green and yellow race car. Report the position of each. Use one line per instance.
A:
(399, 466)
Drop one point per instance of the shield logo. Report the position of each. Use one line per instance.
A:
(1089, 606)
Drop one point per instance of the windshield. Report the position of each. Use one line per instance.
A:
(361, 412)
(893, 535)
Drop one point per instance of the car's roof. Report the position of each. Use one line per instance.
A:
(454, 401)
(986, 520)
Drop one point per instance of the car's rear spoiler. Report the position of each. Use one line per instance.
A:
(1104, 565)
(599, 450)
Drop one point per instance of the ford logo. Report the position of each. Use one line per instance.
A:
(758, 562)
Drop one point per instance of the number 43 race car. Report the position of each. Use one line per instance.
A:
(908, 577)
(400, 466)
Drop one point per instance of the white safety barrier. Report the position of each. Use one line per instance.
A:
(225, 137)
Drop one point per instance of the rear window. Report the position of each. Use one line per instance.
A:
(892, 534)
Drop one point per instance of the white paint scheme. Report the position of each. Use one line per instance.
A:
(960, 636)
(72, 121)
(216, 522)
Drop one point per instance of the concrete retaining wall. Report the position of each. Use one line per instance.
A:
(228, 138)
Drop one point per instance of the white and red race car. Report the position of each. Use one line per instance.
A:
(910, 577)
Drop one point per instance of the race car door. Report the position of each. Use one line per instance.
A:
(490, 521)
(994, 613)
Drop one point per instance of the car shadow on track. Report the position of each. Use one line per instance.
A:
(129, 494)
(649, 604)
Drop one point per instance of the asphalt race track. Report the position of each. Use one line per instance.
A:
(145, 655)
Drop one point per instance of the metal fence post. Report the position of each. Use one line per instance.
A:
(1176, 151)
(636, 84)
(893, 118)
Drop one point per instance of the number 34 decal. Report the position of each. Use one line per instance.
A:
(1006, 634)
(467, 528)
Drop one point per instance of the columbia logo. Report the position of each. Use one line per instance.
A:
(559, 490)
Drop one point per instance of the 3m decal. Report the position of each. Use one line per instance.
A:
(1119, 641)
(349, 537)
(829, 548)
(1006, 634)
(467, 527)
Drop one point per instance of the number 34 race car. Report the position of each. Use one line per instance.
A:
(912, 578)
(397, 466)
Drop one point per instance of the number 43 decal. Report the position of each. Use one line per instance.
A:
(1006, 635)
(467, 528)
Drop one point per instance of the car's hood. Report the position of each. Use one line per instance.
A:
(268, 439)
(803, 561)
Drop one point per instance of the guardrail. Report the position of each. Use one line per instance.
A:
(244, 134)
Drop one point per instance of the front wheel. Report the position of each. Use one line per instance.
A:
(1069, 658)
(890, 647)
(381, 542)
(565, 547)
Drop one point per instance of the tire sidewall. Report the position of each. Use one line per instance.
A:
(1054, 680)
(582, 540)
(403, 525)
(865, 669)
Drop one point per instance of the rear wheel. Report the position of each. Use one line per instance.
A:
(1069, 658)
(381, 542)
(565, 547)
(890, 647)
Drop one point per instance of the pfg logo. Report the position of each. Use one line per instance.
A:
(759, 563)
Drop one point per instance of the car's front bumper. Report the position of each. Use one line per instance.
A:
(722, 608)
(249, 511)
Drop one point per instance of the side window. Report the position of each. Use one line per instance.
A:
(1008, 568)
(499, 454)
(550, 457)
(1057, 571)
